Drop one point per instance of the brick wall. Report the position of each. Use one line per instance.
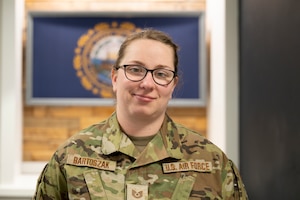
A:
(46, 127)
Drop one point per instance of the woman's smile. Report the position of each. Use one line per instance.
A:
(144, 98)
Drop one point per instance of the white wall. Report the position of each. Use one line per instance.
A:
(12, 181)
(223, 108)
(223, 97)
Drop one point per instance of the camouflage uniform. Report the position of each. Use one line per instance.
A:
(101, 162)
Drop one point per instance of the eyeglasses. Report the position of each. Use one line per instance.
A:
(137, 73)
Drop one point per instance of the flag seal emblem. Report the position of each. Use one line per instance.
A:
(96, 53)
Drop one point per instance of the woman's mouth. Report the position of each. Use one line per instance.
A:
(144, 98)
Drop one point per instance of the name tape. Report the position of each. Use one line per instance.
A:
(199, 166)
(92, 162)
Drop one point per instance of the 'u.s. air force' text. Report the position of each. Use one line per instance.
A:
(200, 166)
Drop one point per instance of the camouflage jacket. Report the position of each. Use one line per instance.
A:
(101, 162)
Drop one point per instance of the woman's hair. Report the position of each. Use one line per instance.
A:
(152, 35)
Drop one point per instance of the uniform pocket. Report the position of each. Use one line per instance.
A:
(105, 185)
(94, 184)
(183, 188)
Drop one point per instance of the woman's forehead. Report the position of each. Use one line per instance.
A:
(151, 49)
(141, 46)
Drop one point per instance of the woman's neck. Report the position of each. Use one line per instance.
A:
(137, 126)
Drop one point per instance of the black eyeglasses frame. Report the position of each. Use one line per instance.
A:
(147, 70)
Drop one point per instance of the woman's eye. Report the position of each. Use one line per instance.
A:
(135, 69)
(162, 74)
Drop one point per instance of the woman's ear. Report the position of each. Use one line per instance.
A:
(175, 82)
(113, 75)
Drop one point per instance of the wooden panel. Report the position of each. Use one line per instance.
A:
(45, 128)
(115, 5)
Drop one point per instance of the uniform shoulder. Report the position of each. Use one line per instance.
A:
(89, 133)
(195, 141)
(184, 131)
(85, 142)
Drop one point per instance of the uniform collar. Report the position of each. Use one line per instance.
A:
(166, 144)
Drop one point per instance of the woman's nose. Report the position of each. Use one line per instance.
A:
(148, 80)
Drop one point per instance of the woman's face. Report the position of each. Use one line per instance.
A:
(144, 98)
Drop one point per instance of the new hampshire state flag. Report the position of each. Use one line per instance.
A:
(69, 58)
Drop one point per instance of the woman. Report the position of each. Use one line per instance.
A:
(139, 152)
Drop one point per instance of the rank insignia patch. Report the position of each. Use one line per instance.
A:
(137, 192)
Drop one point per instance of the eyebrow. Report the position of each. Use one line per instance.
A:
(136, 62)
